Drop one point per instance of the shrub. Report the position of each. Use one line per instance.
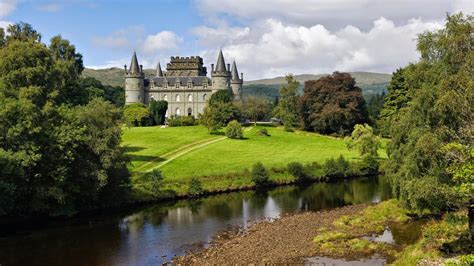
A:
(195, 187)
(178, 121)
(137, 114)
(263, 132)
(369, 165)
(298, 171)
(234, 130)
(153, 181)
(259, 175)
(339, 168)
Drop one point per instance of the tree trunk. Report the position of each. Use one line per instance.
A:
(470, 214)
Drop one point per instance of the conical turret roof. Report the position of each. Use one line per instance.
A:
(159, 73)
(235, 73)
(220, 67)
(134, 67)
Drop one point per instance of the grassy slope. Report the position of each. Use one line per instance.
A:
(145, 144)
(111, 76)
(223, 164)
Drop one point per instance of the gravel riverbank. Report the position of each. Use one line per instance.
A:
(288, 239)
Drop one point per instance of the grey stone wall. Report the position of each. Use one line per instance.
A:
(183, 100)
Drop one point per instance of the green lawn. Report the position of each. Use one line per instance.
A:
(151, 144)
(220, 162)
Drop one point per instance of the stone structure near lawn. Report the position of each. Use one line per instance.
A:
(184, 85)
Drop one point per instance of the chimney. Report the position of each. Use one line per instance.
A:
(228, 67)
(242, 75)
(125, 67)
(212, 68)
(141, 68)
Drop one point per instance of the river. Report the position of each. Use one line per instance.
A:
(153, 235)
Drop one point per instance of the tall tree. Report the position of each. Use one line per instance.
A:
(287, 107)
(431, 145)
(53, 159)
(333, 104)
(256, 108)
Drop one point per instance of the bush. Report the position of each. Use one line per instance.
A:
(298, 171)
(178, 121)
(195, 187)
(153, 181)
(339, 168)
(234, 130)
(259, 175)
(263, 132)
(369, 165)
(137, 114)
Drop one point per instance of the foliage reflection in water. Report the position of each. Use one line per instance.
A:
(153, 235)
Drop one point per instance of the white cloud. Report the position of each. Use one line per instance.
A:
(164, 40)
(224, 35)
(4, 24)
(277, 48)
(334, 14)
(6, 7)
(466, 6)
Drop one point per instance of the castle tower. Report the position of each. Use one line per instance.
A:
(134, 82)
(220, 75)
(236, 82)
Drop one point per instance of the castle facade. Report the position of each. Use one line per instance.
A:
(184, 85)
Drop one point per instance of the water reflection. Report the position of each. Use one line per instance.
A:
(155, 234)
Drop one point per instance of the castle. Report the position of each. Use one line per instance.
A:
(184, 85)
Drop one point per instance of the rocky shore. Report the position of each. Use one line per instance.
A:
(288, 239)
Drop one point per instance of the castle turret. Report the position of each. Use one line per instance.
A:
(220, 75)
(134, 82)
(159, 73)
(236, 83)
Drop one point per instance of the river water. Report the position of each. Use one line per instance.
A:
(153, 235)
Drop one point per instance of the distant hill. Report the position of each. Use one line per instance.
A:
(371, 83)
(111, 76)
(362, 78)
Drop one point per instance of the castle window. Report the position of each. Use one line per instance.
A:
(178, 112)
(204, 85)
(177, 98)
(190, 98)
(190, 85)
(190, 111)
(204, 97)
(165, 97)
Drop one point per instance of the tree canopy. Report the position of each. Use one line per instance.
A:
(332, 104)
(56, 157)
(287, 106)
(430, 152)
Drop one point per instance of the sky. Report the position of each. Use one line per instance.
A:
(266, 38)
